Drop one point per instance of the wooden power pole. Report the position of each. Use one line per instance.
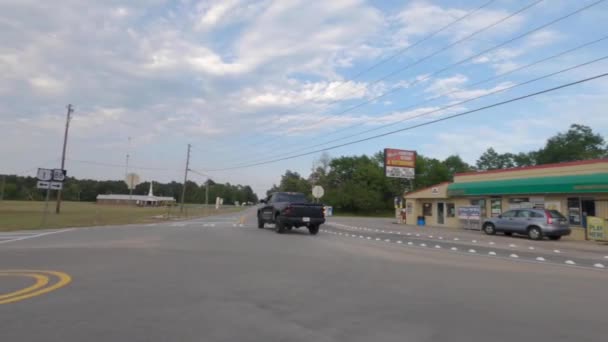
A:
(181, 209)
(65, 143)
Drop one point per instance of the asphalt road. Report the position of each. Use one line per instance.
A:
(222, 279)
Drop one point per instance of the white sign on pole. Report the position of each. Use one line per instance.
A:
(58, 175)
(49, 185)
(400, 172)
(45, 174)
(318, 191)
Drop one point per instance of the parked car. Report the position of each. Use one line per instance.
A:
(535, 223)
(289, 210)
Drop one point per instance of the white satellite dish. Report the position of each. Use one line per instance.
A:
(132, 179)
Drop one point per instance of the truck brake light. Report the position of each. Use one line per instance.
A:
(287, 210)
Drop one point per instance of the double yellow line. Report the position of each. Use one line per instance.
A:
(40, 286)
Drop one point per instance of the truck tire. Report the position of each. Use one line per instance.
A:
(260, 223)
(279, 226)
(313, 230)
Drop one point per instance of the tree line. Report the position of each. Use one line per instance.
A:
(24, 188)
(357, 184)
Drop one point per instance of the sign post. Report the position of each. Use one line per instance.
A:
(46, 205)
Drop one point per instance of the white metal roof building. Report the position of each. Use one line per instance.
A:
(142, 200)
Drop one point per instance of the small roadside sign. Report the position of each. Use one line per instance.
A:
(45, 174)
(58, 175)
(49, 185)
(318, 191)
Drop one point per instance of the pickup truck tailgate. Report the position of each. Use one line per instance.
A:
(306, 210)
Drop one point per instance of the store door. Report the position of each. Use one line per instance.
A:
(440, 213)
(588, 206)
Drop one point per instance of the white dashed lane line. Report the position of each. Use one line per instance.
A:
(511, 256)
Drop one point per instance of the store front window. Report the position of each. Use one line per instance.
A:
(427, 209)
(482, 204)
(496, 206)
(451, 210)
(574, 211)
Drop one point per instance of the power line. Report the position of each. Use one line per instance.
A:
(538, 28)
(426, 38)
(435, 53)
(118, 165)
(452, 92)
(431, 35)
(519, 98)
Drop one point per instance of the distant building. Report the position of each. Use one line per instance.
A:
(140, 200)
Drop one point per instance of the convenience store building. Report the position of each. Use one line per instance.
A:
(576, 189)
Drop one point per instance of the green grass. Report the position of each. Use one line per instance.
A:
(16, 215)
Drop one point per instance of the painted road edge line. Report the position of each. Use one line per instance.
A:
(38, 235)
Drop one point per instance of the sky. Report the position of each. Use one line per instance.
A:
(253, 81)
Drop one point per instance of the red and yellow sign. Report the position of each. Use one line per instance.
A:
(401, 158)
(399, 163)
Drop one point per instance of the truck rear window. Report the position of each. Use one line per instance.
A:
(292, 198)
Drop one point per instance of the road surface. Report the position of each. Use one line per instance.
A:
(223, 279)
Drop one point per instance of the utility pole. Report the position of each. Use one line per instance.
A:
(65, 143)
(127, 168)
(181, 209)
(207, 194)
(2, 186)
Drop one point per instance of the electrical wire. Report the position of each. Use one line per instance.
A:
(536, 29)
(468, 112)
(91, 162)
(532, 4)
(452, 92)
(435, 53)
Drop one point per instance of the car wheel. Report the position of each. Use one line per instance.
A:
(313, 230)
(555, 238)
(260, 223)
(279, 226)
(508, 233)
(535, 233)
(489, 229)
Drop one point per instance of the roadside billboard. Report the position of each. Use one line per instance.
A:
(399, 163)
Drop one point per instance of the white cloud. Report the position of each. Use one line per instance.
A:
(505, 59)
(421, 18)
(47, 85)
(454, 88)
(307, 93)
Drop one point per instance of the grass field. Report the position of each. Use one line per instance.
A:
(16, 215)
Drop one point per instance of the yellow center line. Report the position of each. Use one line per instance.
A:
(41, 281)
(63, 280)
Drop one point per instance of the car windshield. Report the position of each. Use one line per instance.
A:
(291, 197)
(556, 214)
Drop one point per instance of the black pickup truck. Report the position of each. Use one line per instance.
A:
(289, 210)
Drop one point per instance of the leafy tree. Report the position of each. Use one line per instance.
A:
(455, 165)
(491, 160)
(578, 143)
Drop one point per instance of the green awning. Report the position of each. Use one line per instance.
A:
(592, 183)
